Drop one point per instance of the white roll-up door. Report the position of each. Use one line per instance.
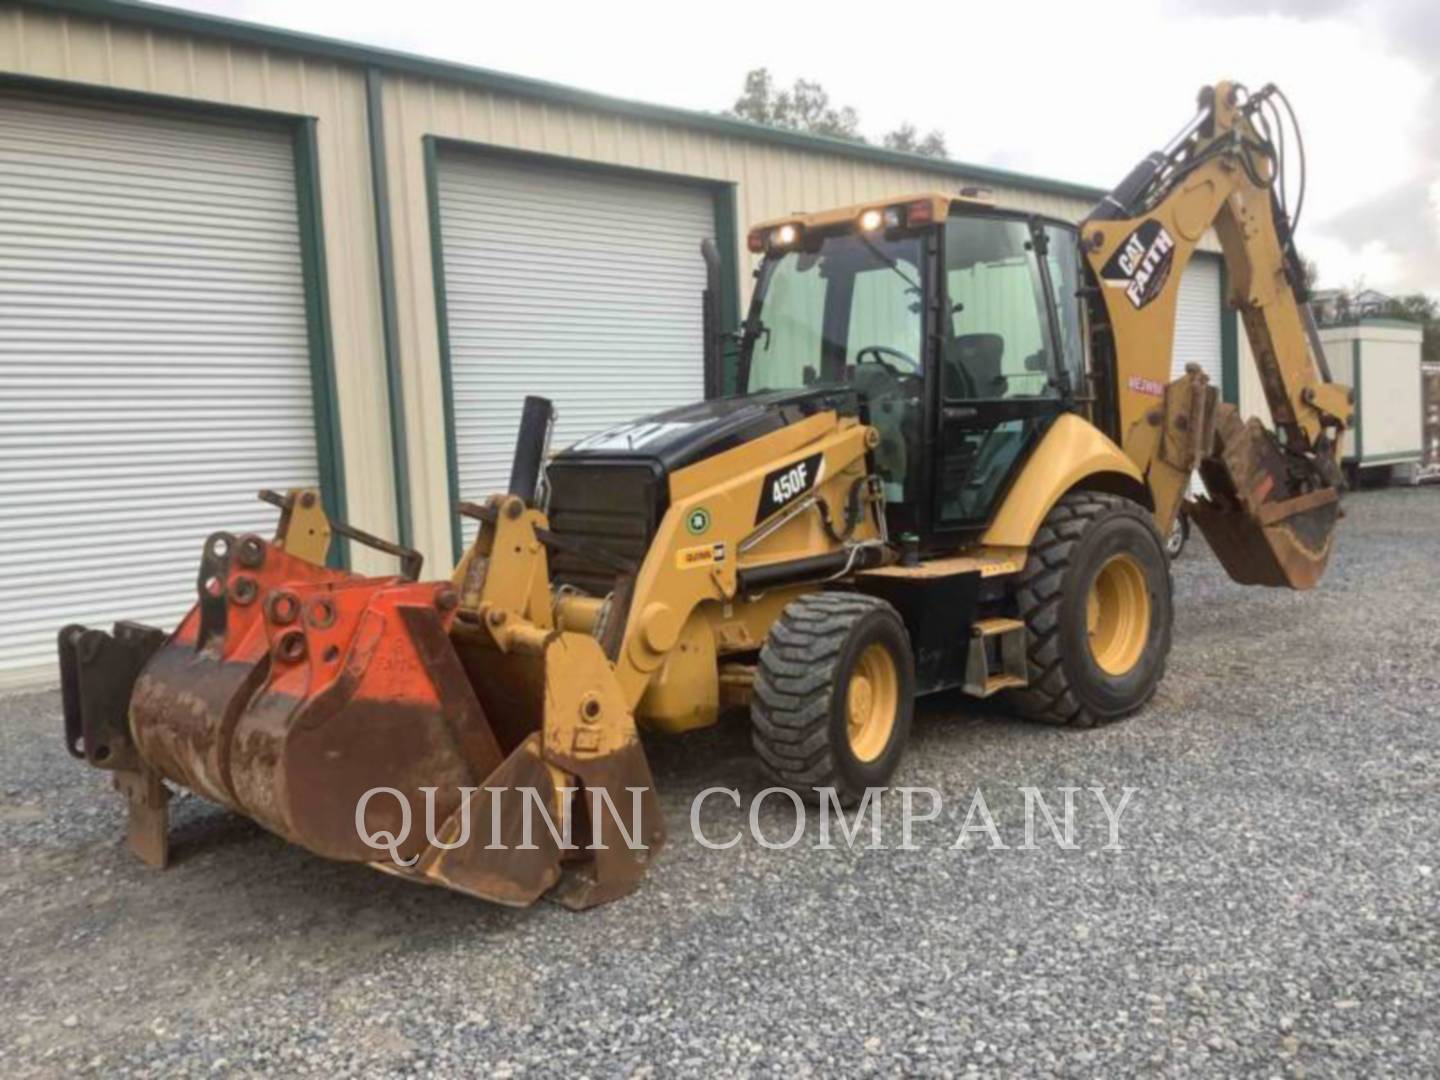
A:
(1197, 328)
(154, 364)
(578, 286)
(1197, 319)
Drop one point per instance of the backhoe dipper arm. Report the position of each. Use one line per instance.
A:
(1273, 498)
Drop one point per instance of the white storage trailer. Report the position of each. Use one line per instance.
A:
(1380, 358)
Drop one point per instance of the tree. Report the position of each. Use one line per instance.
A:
(1422, 309)
(805, 106)
(906, 138)
(1357, 301)
(1417, 307)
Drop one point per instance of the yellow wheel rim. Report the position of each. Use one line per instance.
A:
(872, 700)
(1117, 615)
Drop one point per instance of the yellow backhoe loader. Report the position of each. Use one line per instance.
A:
(954, 450)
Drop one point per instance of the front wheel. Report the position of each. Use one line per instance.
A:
(834, 695)
(1095, 598)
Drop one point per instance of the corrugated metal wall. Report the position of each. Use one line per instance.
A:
(770, 180)
(112, 55)
(601, 316)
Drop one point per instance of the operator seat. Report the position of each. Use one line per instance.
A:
(979, 356)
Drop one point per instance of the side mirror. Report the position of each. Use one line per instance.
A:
(714, 353)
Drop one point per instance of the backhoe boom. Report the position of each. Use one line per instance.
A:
(1273, 498)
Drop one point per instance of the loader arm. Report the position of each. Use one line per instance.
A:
(1273, 498)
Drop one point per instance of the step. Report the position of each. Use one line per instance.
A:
(991, 627)
(980, 680)
(995, 683)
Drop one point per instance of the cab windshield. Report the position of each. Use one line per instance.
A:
(838, 313)
(848, 311)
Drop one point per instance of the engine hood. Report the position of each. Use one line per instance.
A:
(679, 437)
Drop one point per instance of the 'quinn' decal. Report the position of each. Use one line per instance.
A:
(786, 484)
(699, 555)
(1142, 263)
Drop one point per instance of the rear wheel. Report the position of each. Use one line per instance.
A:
(1095, 598)
(834, 695)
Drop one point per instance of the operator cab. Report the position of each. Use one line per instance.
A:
(958, 326)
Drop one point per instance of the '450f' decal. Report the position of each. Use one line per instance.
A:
(786, 484)
(1142, 263)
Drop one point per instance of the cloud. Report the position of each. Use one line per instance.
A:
(1390, 234)
(1362, 75)
(1402, 223)
(1292, 9)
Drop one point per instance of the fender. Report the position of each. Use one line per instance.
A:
(1072, 451)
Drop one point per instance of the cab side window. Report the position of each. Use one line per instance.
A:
(1062, 258)
(996, 342)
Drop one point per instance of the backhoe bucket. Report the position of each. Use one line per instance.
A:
(334, 710)
(1270, 516)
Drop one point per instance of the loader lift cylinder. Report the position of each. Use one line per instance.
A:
(530, 445)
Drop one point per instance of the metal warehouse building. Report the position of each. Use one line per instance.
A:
(234, 257)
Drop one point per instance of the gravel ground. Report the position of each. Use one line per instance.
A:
(1275, 907)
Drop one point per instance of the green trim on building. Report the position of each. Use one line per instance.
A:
(1372, 320)
(146, 99)
(442, 325)
(329, 447)
(162, 18)
(726, 227)
(1229, 342)
(389, 316)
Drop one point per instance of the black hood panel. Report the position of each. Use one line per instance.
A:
(679, 437)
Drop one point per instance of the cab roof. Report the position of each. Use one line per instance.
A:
(941, 202)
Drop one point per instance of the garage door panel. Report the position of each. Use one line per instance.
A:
(154, 358)
(1197, 327)
(580, 287)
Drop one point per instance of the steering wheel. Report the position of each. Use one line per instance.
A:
(881, 351)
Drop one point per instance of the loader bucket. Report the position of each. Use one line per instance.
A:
(1269, 516)
(335, 711)
(580, 754)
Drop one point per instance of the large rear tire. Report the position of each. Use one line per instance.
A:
(834, 695)
(1095, 596)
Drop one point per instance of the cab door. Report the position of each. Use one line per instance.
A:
(1008, 357)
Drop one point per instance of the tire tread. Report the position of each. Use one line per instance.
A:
(794, 681)
(1049, 697)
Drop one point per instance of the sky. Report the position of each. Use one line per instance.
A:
(1076, 90)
